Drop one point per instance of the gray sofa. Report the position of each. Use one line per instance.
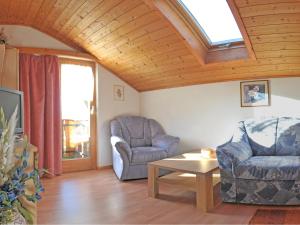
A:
(261, 164)
(135, 142)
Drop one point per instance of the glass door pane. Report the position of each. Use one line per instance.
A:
(77, 90)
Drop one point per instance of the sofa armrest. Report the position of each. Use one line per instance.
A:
(232, 153)
(121, 146)
(166, 142)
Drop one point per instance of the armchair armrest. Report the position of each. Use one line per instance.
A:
(167, 142)
(232, 153)
(121, 146)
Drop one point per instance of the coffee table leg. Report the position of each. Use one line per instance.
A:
(204, 194)
(152, 181)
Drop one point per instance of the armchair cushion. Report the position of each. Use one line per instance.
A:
(270, 168)
(142, 155)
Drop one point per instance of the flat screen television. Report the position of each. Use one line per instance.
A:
(9, 99)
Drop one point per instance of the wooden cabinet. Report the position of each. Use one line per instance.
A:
(2, 55)
(9, 67)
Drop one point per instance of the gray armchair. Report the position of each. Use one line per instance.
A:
(135, 142)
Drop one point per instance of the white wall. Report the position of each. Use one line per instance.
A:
(205, 115)
(108, 108)
(23, 36)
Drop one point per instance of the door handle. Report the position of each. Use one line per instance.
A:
(93, 110)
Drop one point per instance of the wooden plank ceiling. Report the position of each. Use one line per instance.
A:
(137, 43)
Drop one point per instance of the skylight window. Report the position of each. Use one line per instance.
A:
(215, 20)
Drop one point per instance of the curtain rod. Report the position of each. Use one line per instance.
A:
(57, 52)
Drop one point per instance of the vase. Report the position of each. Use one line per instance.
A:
(18, 219)
(12, 217)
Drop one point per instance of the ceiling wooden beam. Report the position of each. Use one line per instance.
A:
(181, 27)
(242, 28)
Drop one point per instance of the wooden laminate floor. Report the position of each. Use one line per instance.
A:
(98, 197)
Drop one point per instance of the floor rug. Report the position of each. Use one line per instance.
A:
(276, 216)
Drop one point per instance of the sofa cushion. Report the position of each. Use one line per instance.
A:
(142, 155)
(288, 136)
(269, 168)
(262, 135)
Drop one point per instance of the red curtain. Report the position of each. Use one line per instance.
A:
(40, 82)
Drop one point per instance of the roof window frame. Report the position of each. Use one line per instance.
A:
(185, 10)
(195, 40)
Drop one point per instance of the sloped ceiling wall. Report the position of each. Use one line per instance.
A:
(24, 36)
(139, 45)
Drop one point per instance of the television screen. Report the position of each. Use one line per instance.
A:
(9, 100)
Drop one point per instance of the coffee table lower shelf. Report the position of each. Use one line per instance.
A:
(186, 181)
(200, 183)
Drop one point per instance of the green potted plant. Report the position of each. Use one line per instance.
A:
(13, 176)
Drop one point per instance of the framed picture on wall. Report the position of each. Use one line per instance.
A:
(119, 93)
(255, 93)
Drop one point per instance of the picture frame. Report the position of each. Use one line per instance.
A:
(118, 92)
(255, 93)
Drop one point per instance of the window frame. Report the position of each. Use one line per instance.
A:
(82, 164)
(192, 19)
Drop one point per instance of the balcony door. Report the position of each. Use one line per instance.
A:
(78, 115)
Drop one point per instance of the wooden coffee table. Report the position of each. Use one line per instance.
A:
(192, 171)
